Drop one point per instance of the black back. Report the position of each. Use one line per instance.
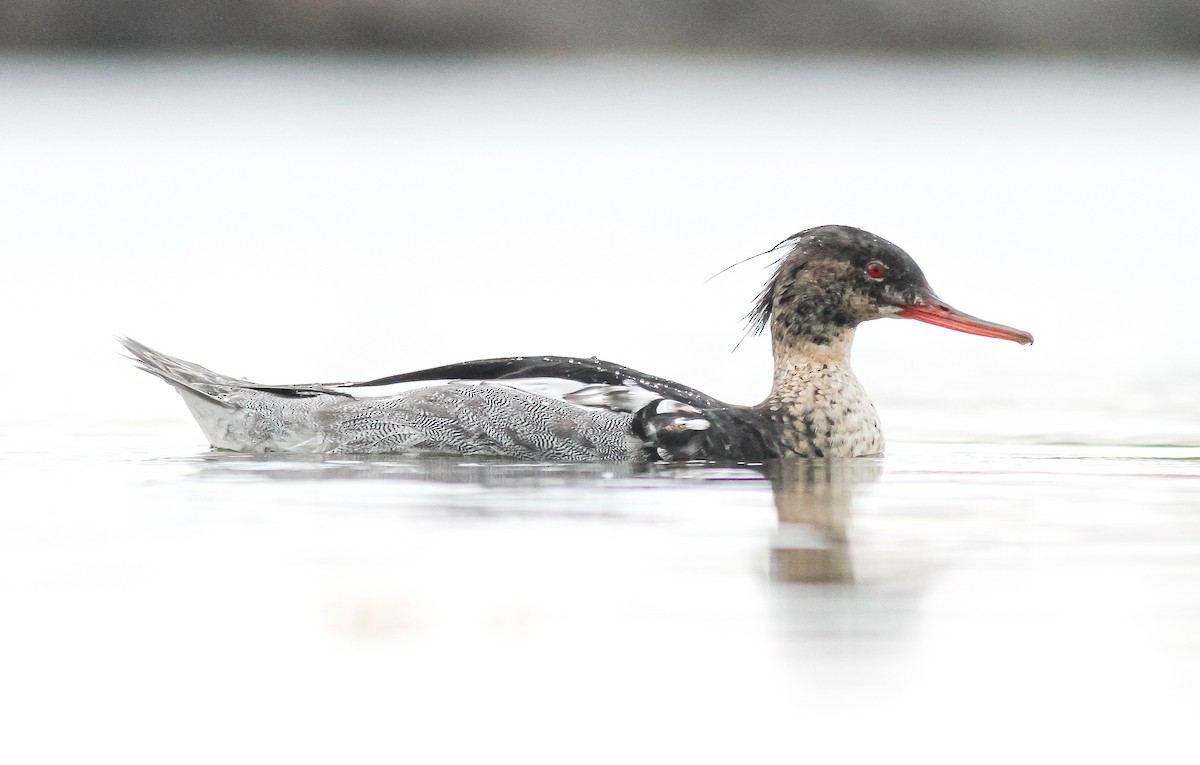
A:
(591, 371)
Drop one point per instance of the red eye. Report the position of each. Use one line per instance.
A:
(876, 270)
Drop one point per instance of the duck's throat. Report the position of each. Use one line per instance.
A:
(824, 410)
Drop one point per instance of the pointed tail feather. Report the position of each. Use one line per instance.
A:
(184, 375)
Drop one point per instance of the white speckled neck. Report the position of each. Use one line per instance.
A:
(797, 359)
(827, 411)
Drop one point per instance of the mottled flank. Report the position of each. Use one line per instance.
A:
(828, 280)
(460, 418)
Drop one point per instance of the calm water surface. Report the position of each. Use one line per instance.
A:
(437, 609)
(1019, 577)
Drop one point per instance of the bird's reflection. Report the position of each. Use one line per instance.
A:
(812, 498)
(433, 468)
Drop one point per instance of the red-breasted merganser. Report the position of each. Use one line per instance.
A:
(828, 280)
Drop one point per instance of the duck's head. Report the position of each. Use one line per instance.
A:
(832, 278)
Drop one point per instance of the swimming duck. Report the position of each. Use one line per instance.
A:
(828, 280)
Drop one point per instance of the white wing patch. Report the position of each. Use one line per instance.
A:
(620, 398)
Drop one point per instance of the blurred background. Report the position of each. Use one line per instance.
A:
(1046, 27)
(332, 190)
(322, 190)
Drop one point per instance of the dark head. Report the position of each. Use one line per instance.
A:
(831, 278)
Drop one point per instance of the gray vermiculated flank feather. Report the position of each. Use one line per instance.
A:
(469, 419)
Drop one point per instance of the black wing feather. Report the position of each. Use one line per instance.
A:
(591, 371)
